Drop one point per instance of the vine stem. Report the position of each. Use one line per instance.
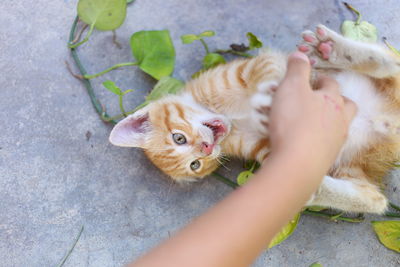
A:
(225, 180)
(116, 66)
(95, 102)
(72, 45)
(355, 11)
(78, 36)
(205, 45)
(332, 217)
(121, 106)
(114, 38)
(120, 116)
(397, 52)
(392, 214)
(71, 249)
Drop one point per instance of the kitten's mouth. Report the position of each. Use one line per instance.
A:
(218, 128)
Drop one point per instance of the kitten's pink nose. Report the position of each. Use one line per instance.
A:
(207, 148)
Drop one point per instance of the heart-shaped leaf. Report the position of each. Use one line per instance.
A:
(212, 59)
(154, 52)
(388, 233)
(105, 15)
(110, 85)
(363, 31)
(254, 42)
(286, 231)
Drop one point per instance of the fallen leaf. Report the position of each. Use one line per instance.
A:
(105, 15)
(286, 231)
(388, 233)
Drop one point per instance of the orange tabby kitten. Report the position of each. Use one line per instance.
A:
(223, 112)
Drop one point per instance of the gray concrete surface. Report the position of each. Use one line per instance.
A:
(53, 180)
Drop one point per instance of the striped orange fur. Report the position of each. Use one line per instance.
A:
(223, 113)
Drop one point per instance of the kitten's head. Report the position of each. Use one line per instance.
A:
(179, 136)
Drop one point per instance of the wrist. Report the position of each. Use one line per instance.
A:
(301, 164)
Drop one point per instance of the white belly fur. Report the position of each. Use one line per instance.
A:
(362, 132)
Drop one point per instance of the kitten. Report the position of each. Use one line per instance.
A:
(223, 112)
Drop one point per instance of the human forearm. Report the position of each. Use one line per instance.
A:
(237, 229)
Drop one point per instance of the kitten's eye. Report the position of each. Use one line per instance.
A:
(195, 165)
(180, 139)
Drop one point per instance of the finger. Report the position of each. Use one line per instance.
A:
(298, 69)
(328, 85)
(350, 109)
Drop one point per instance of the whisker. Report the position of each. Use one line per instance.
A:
(222, 164)
(171, 183)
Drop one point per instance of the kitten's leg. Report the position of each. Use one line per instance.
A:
(351, 195)
(264, 79)
(261, 105)
(328, 49)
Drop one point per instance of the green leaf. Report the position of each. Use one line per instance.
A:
(286, 231)
(359, 30)
(167, 85)
(212, 59)
(243, 177)
(189, 38)
(154, 52)
(105, 15)
(254, 42)
(316, 264)
(363, 31)
(110, 85)
(129, 1)
(388, 233)
(207, 34)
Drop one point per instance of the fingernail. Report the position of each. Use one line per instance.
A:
(299, 55)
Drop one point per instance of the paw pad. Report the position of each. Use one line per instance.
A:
(318, 45)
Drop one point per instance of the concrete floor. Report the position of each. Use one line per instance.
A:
(53, 179)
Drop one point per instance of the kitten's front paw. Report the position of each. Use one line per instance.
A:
(261, 105)
(321, 46)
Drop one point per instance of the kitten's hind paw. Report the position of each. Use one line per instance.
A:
(320, 46)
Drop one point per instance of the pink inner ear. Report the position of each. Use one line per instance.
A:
(131, 131)
(137, 124)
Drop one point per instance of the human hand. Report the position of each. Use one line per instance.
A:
(308, 123)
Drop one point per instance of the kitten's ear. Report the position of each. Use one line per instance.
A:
(131, 131)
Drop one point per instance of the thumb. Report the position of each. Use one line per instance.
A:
(298, 69)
